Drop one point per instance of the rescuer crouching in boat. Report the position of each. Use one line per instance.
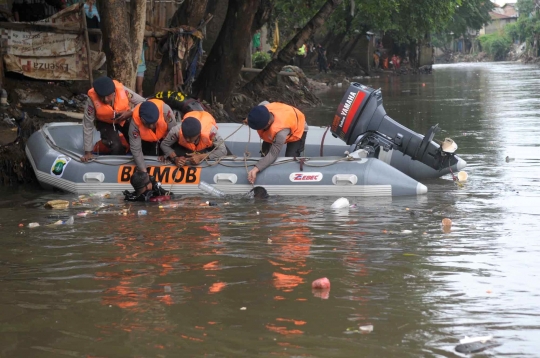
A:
(194, 140)
(146, 189)
(108, 109)
(151, 122)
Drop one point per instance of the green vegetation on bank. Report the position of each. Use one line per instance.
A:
(527, 27)
(496, 45)
(260, 59)
(405, 21)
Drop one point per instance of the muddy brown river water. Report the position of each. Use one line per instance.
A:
(193, 281)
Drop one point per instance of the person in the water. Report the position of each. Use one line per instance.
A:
(146, 189)
(258, 192)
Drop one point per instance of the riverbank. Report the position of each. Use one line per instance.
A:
(517, 54)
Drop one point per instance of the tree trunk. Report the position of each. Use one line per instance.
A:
(269, 74)
(117, 46)
(347, 52)
(333, 49)
(262, 16)
(224, 63)
(335, 46)
(327, 39)
(211, 7)
(190, 13)
(137, 26)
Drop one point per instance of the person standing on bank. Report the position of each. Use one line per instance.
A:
(109, 106)
(277, 124)
(151, 122)
(196, 137)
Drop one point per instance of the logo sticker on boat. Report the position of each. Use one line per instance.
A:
(59, 165)
(305, 177)
(163, 174)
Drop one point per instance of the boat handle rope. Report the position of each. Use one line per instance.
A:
(76, 157)
(322, 140)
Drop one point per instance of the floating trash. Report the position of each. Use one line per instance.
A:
(57, 204)
(362, 329)
(321, 283)
(368, 328)
(475, 347)
(69, 221)
(462, 176)
(340, 203)
(142, 212)
(482, 339)
(32, 225)
(209, 189)
(104, 195)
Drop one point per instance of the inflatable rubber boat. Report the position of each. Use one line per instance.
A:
(378, 159)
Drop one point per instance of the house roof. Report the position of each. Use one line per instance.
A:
(497, 16)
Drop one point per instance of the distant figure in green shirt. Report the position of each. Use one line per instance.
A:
(257, 41)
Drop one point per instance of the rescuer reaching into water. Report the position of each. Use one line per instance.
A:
(151, 122)
(277, 124)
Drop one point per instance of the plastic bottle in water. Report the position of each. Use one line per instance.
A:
(142, 212)
(209, 189)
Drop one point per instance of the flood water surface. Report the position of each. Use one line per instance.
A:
(235, 280)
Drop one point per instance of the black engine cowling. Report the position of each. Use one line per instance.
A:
(362, 120)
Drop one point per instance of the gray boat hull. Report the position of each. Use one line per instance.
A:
(318, 137)
(54, 153)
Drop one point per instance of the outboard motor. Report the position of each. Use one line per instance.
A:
(362, 121)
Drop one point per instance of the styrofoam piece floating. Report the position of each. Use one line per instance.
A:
(341, 203)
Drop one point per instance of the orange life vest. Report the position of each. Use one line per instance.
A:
(207, 124)
(285, 117)
(105, 112)
(161, 126)
(101, 148)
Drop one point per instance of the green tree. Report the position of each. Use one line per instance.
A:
(407, 21)
(527, 27)
(496, 45)
(471, 16)
(268, 75)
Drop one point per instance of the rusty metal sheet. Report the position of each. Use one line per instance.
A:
(47, 55)
(61, 68)
(32, 43)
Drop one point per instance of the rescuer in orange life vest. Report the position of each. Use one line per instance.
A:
(277, 124)
(109, 106)
(196, 137)
(151, 122)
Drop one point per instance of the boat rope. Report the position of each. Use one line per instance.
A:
(246, 156)
(322, 141)
(454, 178)
(221, 161)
